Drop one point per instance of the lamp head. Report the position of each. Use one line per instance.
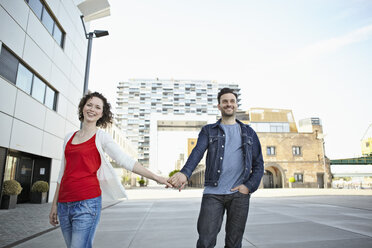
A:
(100, 33)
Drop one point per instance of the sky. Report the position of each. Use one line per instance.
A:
(311, 56)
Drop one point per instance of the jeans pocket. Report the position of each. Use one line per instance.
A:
(62, 210)
(244, 195)
(92, 206)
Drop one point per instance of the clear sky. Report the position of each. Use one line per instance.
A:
(311, 56)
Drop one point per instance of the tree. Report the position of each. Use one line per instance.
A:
(173, 172)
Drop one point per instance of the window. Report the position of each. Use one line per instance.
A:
(58, 35)
(8, 65)
(36, 6)
(47, 20)
(266, 127)
(17, 73)
(24, 79)
(299, 177)
(270, 150)
(45, 16)
(38, 90)
(296, 150)
(50, 97)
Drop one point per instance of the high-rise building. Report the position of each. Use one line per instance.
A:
(138, 98)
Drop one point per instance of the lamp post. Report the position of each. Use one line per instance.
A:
(90, 36)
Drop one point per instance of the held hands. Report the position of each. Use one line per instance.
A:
(163, 180)
(242, 189)
(178, 180)
(53, 218)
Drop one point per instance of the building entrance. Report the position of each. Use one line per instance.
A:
(320, 180)
(268, 180)
(26, 169)
(23, 176)
(272, 177)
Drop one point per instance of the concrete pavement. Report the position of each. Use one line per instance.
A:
(166, 218)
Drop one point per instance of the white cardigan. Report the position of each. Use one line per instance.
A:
(111, 187)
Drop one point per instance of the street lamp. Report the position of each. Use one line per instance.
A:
(90, 36)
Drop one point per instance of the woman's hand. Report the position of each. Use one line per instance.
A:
(53, 217)
(163, 180)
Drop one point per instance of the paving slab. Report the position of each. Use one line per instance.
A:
(310, 221)
(162, 217)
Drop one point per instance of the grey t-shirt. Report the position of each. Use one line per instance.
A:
(232, 170)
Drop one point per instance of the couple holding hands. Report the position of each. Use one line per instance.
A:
(234, 168)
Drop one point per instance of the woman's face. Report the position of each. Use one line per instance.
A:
(93, 110)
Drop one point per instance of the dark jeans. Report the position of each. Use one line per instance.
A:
(211, 217)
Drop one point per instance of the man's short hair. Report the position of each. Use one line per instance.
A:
(226, 91)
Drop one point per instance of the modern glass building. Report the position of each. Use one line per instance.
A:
(138, 98)
(42, 65)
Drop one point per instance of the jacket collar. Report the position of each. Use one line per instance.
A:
(218, 123)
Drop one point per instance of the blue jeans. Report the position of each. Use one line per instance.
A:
(79, 220)
(211, 216)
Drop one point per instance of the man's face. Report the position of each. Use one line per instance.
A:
(228, 105)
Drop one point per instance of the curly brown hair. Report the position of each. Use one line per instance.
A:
(107, 115)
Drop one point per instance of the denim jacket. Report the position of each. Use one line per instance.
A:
(212, 137)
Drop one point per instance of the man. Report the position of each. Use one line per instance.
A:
(234, 168)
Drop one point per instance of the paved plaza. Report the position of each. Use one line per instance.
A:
(277, 218)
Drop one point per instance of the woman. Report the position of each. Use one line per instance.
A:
(86, 174)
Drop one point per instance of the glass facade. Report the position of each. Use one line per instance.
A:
(46, 17)
(17, 73)
(270, 127)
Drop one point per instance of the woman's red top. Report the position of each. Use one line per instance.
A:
(79, 181)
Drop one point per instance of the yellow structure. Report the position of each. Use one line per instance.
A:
(191, 143)
(366, 142)
(273, 116)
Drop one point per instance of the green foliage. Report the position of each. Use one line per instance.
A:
(141, 181)
(11, 187)
(347, 179)
(125, 180)
(40, 186)
(292, 180)
(173, 172)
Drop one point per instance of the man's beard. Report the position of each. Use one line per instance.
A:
(225, 114)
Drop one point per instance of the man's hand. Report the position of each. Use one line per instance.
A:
(178, 180)
(53, 218)
(242, 189)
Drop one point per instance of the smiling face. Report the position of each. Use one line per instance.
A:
(228, 105)
(93, 109)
